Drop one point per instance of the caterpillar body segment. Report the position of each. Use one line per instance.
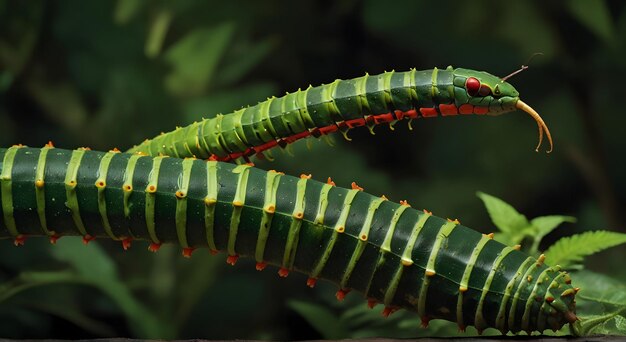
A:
(368, 101)
(390, 252)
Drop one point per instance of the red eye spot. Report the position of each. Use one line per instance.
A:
(472, 85)
(484, 90)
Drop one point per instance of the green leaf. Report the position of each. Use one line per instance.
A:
(571, 250)
(158, 30)
(543, 225)
(27, 280)
(97, 269)
(71, 313)
(125, 10)
(511, 223)
(601, 303)
(322, 319)
(243, 59)
(546, 224)
(595, 15)
(195, 57)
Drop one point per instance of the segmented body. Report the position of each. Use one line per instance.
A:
(392, 253)
(365, 101)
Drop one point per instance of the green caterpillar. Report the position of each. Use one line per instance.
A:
(340, 106)
(390, 252)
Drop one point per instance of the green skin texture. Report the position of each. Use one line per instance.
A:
(392, 253)
(328, 105)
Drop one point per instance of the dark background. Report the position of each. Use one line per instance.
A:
(109, 74)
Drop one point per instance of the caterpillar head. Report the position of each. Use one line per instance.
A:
(489, 94)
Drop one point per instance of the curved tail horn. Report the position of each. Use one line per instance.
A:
(542, 125)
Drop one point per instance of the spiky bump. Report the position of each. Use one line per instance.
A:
(126, 243)
(310, 282)
(283, 272)
(260, 266)
(356, 186)
(19, 240)
(187, 252)
(388, 310)
(54, 238)
(232, 259)
(341, 294)
(88, 238)
(154, 247)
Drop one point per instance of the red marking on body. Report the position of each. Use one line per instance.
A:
(466, 109)
(49, 144)
(234, 155)
(355, 123)
(88, 238)
(411, 114)
(425, 320)
(19, 240)
(388, 310)
(126, 243)
(54, 238)
(283, 272)
(370, 120)
(311, 282)
(341, 294)
(266, 146)
(330, 182)
(297, 136)
(328, 129)
(472, 85)
(384, 118)
(428, 112)
(481, 110)
(448, 109)
(371, 303)
(232, 259)
(356, 186)
(462, 328)
(187, 252)
(260, 266)
(154, 247)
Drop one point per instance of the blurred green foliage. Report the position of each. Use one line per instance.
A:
(109, 74)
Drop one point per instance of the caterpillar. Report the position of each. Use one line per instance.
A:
(390, 252)
(340, 106)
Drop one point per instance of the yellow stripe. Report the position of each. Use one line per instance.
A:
(70, 189)
(101, 185)
(443, 233)
(272, 180)
(40, 193)
(209, 201)
(151, 189)
(238, 202)
(7, 190)
(181, 203)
